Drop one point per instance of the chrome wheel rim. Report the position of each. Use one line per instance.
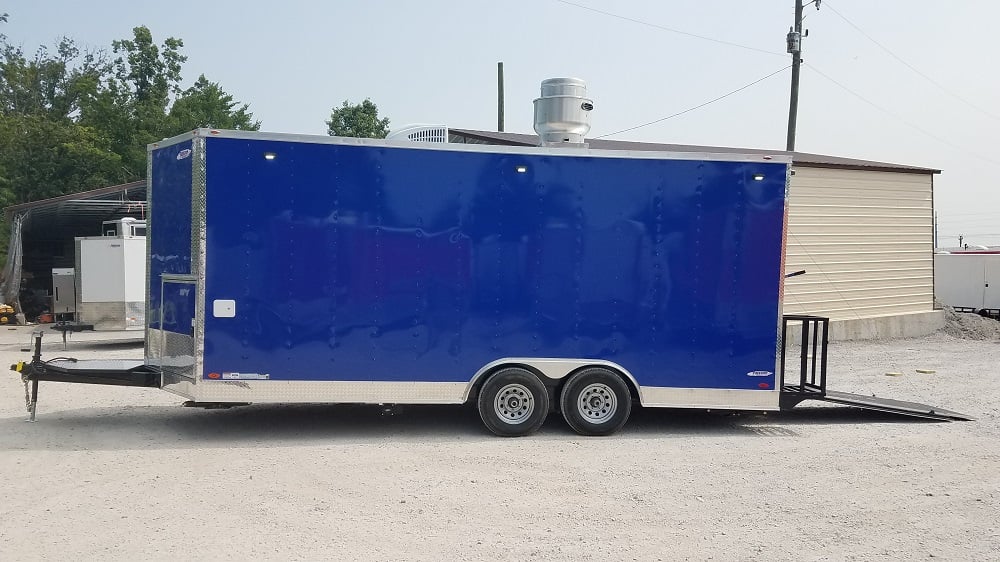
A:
(597, 403)
(514, 404)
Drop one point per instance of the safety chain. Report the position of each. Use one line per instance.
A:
(27, 394)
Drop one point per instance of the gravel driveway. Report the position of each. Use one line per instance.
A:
(127, 474)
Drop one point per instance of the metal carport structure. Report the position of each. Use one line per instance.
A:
(42, 237)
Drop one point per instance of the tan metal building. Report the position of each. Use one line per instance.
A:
(863, 231)
(866, 240)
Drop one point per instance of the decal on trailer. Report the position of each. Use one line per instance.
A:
(759, 374)
(246, 376)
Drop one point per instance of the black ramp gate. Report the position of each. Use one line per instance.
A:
(892, 406)
(810, 384)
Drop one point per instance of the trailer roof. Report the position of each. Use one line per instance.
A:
(798, 158)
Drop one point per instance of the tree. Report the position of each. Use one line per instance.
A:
(72, 120)
(130, 108)
(206, 105)
(44, 151)
(42, 157)
(149, 73)
(359, 120)
(48, 84)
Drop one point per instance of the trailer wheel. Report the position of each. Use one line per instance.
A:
(513, 402)
(596, 401)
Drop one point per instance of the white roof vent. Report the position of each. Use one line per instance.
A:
(562, 113)
(420, 133)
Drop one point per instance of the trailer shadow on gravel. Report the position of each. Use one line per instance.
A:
(657, 422)
(55, 348)
(160, 427)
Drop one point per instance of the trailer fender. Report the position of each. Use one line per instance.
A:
(553, 372)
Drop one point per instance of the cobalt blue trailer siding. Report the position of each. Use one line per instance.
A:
(171, 246)
(395, 264)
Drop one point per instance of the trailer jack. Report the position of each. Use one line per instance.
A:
(26, 370)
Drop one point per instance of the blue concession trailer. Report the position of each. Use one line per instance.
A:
(526, 280)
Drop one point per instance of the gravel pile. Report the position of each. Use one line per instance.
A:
(970, 326)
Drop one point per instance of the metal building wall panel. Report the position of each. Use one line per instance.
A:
(865, 239)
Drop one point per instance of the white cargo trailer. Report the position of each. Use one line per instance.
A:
(968, 280)
(111, 279)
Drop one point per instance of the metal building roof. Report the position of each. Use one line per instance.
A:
(799, 158)
(77, 214)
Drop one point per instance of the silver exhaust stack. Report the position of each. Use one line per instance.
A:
(562, 113)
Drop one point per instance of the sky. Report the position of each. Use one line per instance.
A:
(903, 82)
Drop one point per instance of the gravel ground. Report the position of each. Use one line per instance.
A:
(126, 474)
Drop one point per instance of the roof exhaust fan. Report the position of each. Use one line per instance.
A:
(562, 113)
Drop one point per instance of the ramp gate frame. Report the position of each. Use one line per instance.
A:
(813, 343)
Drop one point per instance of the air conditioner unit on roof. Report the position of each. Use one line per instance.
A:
(420, 133)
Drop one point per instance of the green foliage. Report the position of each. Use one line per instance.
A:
(72, 121)
(360, 120)
(140, 100)
(45, 158)
(206, 105)
(148, 73)
(130, 107)
(48, 84)
(44, 150)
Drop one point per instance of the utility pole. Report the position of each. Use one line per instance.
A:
(500, 96)
(794, 43)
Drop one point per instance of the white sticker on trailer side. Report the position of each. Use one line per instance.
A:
(246, 376)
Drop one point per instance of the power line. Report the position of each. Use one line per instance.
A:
(902, 120)
(699, 106)
(672, 30)
(910, 66)
(972, 213)
(988, 222)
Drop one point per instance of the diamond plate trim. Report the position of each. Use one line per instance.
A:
(199, 197)
(148, 346)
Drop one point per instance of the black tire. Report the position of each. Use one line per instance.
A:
(513, 402)
(595, 401)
